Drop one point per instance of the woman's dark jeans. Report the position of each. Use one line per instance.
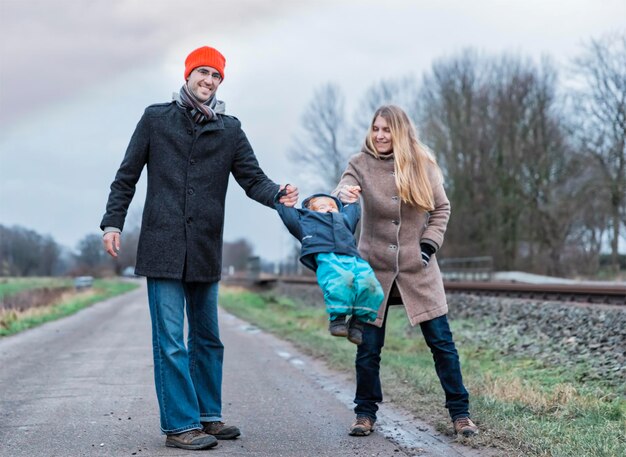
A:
(439, 339)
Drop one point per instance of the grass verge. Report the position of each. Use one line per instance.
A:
(523, 407)
(11, 286)
(12, 321)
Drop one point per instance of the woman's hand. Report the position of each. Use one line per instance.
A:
(427, 252)
(349, 194)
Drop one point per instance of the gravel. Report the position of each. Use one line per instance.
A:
(588, 339)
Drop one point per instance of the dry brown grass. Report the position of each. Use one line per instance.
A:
(516, 390)
(40, 308)
(33, 298)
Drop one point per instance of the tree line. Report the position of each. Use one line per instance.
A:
(24, 252)
(534, 161)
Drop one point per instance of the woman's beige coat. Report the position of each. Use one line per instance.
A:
(391, 232)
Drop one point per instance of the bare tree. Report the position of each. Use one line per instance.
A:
(592, 222)
(50, 253)
(321, 150)
(24, 252)
(509, 170)
(550, 173)
(91, 258)
(520, 187)
(601, 122)
(402, 92)
(455, 122)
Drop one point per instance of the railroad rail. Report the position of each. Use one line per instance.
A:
(582, 293)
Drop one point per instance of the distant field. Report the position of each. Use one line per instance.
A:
(51, 305)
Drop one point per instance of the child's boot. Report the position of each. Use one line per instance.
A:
(355, 330)
(337, 326)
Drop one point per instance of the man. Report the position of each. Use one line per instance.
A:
(190, 148)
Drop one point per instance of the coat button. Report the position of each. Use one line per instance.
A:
(189, 220)
(394, 222)
(190, 191)
(192, 161)
(393, 247)
(395, 198)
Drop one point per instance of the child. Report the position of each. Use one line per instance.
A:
(325, 227)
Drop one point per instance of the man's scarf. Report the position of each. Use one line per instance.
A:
(200, 112)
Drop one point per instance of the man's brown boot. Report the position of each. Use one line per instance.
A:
(220, 430)
(193, 440)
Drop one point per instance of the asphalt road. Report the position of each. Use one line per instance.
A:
(83, 386)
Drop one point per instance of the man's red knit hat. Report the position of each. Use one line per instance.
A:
(205, 57)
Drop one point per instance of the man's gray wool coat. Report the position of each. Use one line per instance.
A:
(188, 170)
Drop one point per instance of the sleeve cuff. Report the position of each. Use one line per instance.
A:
(430, 245)
(280, 193)
(111, 229)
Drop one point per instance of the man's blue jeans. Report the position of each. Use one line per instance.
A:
(439, 339)
(188, 379)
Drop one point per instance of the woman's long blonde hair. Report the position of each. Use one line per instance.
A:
(411, 158)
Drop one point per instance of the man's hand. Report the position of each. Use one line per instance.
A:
(291, 196)
(111, 242)
(349, 194)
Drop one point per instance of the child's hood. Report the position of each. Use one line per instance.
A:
(308, 199)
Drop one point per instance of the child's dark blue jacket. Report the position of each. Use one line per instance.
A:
(321, 232)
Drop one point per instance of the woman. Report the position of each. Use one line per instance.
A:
(405, 212)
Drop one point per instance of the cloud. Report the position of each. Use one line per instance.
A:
(51, 48)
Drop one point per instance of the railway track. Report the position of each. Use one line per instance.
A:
(581, 293)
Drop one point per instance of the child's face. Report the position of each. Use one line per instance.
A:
(323, 205)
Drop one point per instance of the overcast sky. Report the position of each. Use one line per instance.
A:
(76, 75)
